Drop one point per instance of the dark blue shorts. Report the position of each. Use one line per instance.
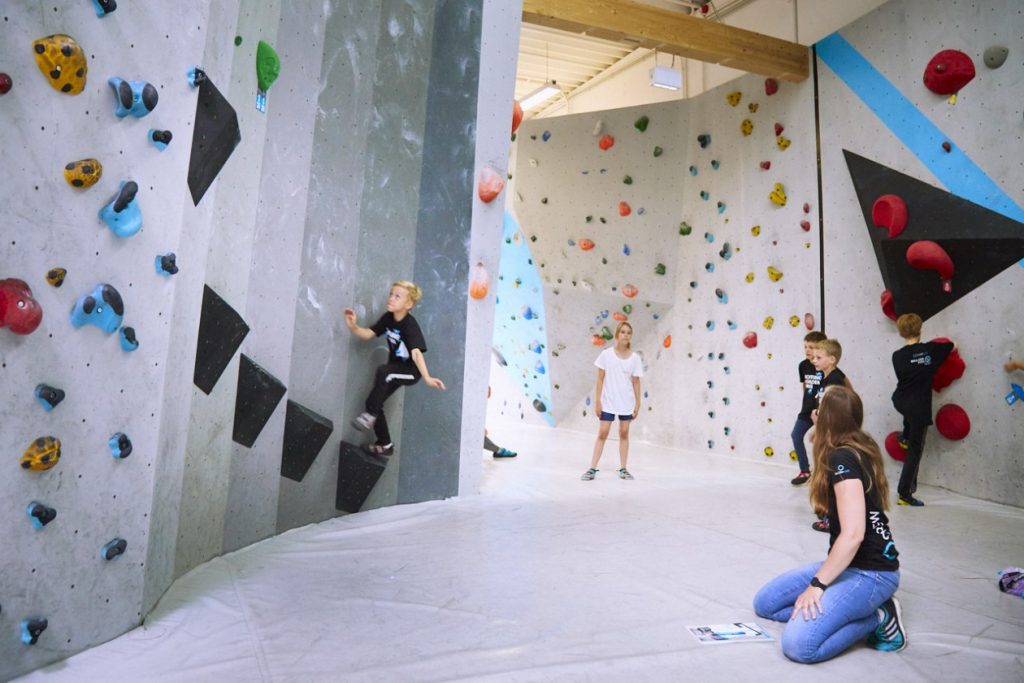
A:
(608, 417)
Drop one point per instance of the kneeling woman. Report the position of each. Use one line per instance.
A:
(834, 604)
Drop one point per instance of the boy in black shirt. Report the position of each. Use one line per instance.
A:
(405, 363)
(915, 365)
(809, 380)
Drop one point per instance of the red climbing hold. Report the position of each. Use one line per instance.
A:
(624, 209)
(806, 225)
(892, 447)
(585, 244)
(606, 142)
(946, 146)
(890, 211)
(888, 305)
(948, 72)
(928, 255)
(517, 115)
(5, 84)
(489, 185)
(952, 422)
(778, 129)
(951, 369)
(771, 86)
(19, 311)
(765, 165)
(750, 340)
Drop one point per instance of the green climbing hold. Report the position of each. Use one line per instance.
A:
(627, 309)
(658, 151)
(641, 123)
(628, 180)
(659, 269)
(606, 334)
(268, 66)
(238, 40)
(685, 228)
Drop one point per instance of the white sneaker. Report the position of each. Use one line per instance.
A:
(364, 422)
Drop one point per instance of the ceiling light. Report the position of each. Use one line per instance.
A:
(541, 94)
(666, 77)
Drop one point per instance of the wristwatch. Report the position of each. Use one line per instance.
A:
(818, 584)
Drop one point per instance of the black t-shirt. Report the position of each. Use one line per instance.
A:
(915, 365)
(403, 336)
(877, 551)
(834, 378)
(810, 378)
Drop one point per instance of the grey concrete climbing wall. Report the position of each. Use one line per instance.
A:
(317, 208)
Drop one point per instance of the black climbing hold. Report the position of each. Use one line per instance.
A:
(104, 7)
(214, 138)
(39, 514)
(357, 475)
(704, 140)
(120, 445)
(125, 195)
(539, 406)
(114, 549)
(221, 331)
(48, 396)
(31, 629)
(256, 397)
(305, 433)
(166, 264)
(124, 94)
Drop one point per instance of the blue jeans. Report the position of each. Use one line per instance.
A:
(800, 430)
(848, 610)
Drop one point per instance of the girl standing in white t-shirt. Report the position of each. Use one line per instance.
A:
(618, 395)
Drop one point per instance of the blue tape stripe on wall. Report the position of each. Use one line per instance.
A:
(954, 169)
(519, 320)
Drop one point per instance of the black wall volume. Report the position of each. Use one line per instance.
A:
(258, 394)
(221, 331)
(305, 433)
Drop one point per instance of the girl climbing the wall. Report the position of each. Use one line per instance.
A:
(619, 370)
(829, 606)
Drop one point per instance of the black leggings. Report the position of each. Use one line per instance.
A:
(914, 433)
(389, 378)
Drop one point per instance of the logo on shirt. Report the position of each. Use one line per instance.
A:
(395, 341)
(841, 469)
(926, 359)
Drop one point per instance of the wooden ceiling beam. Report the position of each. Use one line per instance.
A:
(674, 33)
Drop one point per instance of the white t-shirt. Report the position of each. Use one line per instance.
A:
(617, 396)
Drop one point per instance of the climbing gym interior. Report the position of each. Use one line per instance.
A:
(196, 192)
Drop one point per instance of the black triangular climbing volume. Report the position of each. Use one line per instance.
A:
(357, 475)
(981, 242)
(214, 138)
(258, 394)
(305, 433)
(221, 331)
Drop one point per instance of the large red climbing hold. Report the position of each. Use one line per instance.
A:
(948, 72)
(890, 211)
(771, 86)
(951, 369)
(928, 255)
(606, 142)
(892, 447)
(19, 310)
(953, 422)
(489, 184)
(517, 115)
(888, 305)
(5, 84)
(750, 340)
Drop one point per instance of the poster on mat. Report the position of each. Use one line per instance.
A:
(737, 632)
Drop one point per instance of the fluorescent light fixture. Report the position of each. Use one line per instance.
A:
(666, 77)
(541, 94)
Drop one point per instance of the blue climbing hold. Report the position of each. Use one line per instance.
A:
(710, 267)
(31, 629)
(166, 264)
(693, 170)
(103, 307)
(196, 76)
(709, 237)
(704, 195)
(710, 325)
(104, 7)
(546, 135)
(539, 367)
(704, 140)
(39, 514)
(1016, 394)
(723, 298)
(721, 207)
(715, 164)
(626, 250)
(120, 445)
(731, 325)
(129, 342)
(114, 549)
(159, 138)
(136, 98)
(122, 214)
(48, 396)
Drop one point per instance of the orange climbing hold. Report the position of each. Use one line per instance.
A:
(489, 185)
(667, 342)
(606, 142)
(625, 209)
(585, 244)
(479, 281)
(629, 291)
(517, 115)
(620, 317)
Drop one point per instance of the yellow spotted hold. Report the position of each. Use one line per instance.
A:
(83, 173)
(769, 451)
(747, 127)
(750, 277)
(752, 107)
(733, 98)
(756, 230)
(774, 274)
(783, 142)
(62, 61)
(42, 454)
(792, 455)
(768, 322)
(794, 321)
(778, 195)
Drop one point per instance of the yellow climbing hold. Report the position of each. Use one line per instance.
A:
(756, 230)
(769, 451)
(733, 98)
(768, 322)
(752, 107)
(62, 61)
(750, 277)
(783, 142)
(792, 455)
(774, 274)
(747, 127)
(778, 195)
(794, 321)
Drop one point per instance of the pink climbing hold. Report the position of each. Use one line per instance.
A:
(489, 185)
(888, 305)
(951, 369)
(928, 255)
(771, 86)
(890, 211)
(948, 72)
(606, 142)
(809, 321)
(750, 340)
(953, 422)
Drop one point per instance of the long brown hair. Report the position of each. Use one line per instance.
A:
(840, 417)
(618, 328)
